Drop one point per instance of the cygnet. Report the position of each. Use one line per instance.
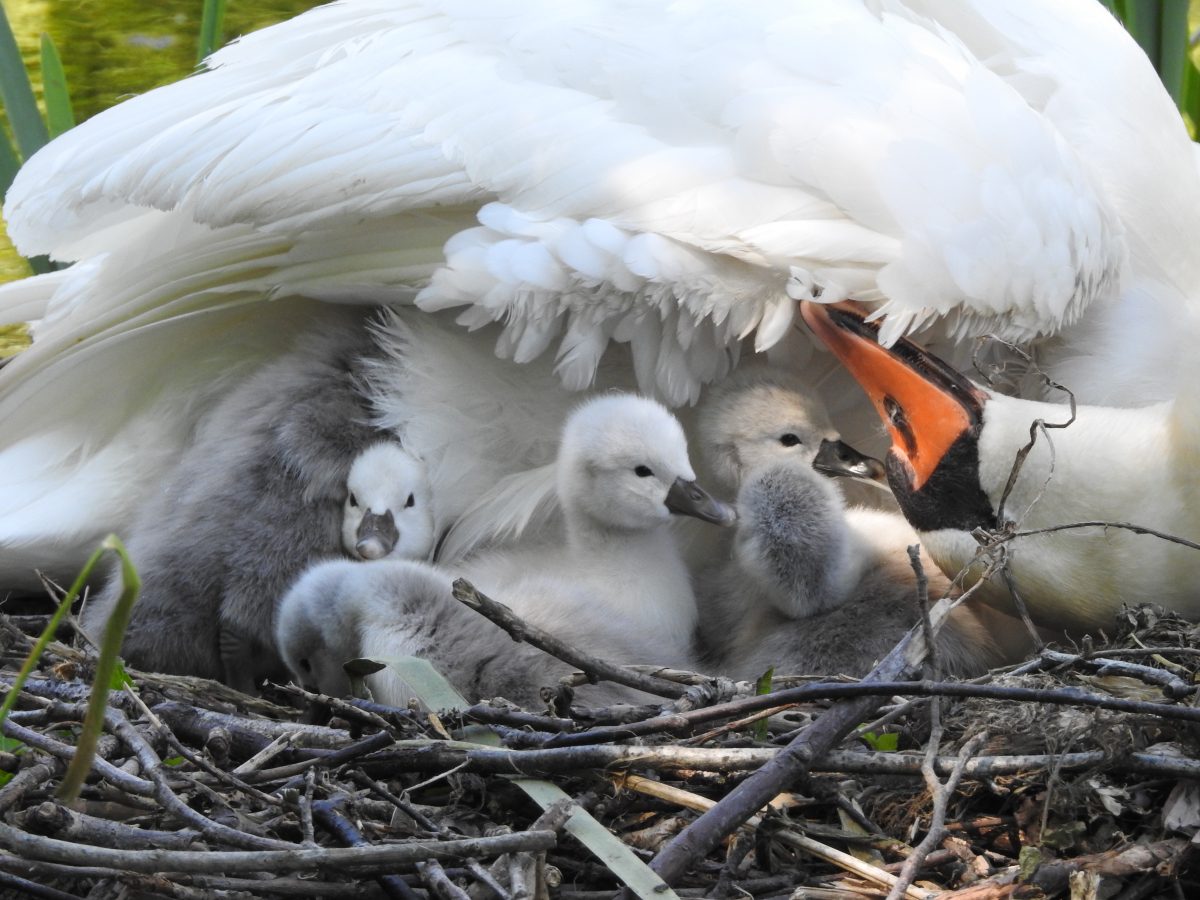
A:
(263, 490)
(804, 583)
(615, 583)
(820, 589)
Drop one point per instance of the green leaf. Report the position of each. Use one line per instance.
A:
(47, 634)
(1189, 102)
(1173, 47)
(435, 692)
(59, 115)
(885, 743)
(106, 667)
(9, 163)
(174, 761)
(210, 28)
(11, 745)
(762, 686)
(17, 93)
(120, 678)
(1143, 19)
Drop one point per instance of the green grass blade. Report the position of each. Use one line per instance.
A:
(1189, 102)
(17, 93)
(1143, 19)
(59, 115)
(9, 163)
(1173, 47)
(210, 28)
(48, 632)
(106, 671)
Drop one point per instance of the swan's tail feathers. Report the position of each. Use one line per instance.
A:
(516, 504)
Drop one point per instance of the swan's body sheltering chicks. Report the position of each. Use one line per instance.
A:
(615, 582)
(266, 487)
(684, 173)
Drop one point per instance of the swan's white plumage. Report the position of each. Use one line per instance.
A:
(668, 176)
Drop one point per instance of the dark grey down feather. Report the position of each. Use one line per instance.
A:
(256, 497)
(806, 594)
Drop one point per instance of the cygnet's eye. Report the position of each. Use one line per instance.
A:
(353, 500)
(306, 666)
(643, 472)
(412, 501)
(790, 440)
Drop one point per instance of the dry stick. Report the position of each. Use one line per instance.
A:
(117, 722)
(27, 888)
(941, 794)
(307, 837)
(53, 819)
(439, 882)
(374, 742)
(439, 757)
(1173, 686)
(346, 707)
(297, 859)
(326, 811)
(784, 834)
(698, 838)
(520, 630)
(117, 777)
(478, 872)
(683, 722)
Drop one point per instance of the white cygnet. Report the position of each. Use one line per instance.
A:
(614, 584)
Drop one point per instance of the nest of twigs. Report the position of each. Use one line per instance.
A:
(1072, 775)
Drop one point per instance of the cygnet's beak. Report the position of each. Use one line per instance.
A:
(377, 535)
(689, 499)
(837, 458)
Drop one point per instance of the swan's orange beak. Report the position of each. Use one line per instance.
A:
(926, 405)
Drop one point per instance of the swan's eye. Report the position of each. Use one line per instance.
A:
(643, 472)
(353, 501)
(412, 501)
(790, 440)
(306, 666)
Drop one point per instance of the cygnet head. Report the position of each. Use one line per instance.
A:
(317, 626)
(623, 464)
(387, 511)
(762, 416)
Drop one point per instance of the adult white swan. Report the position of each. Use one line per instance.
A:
(672, 176)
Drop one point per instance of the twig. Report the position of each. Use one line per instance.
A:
(941, 800)
(438, 757)
(779, 832)
(327, 812)
(54, 819)
(789, 764)
(116, 721)
(296, 859)
(595, 667)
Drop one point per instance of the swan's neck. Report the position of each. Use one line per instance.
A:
(1109, 465)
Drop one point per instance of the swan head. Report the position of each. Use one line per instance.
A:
(762, 416)
(387, 512)
(623, 464)
(932, 412)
